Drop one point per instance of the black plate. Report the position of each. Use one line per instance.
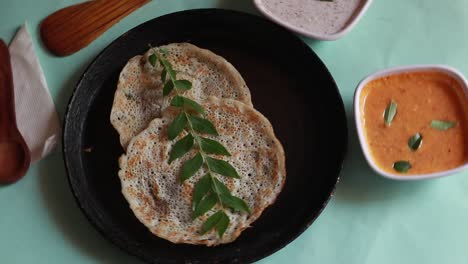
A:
(289, 85)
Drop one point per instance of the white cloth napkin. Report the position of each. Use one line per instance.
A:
(36, 116)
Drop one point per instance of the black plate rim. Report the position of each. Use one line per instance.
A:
(308, 221)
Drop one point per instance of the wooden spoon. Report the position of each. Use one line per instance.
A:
(14, 153)
(73, 28)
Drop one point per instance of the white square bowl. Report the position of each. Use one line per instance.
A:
(360, 129)
(345, 30)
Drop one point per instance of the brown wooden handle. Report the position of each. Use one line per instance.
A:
(70, 29)
(7, 99)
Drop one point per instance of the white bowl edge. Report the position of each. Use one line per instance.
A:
(360, 130)
(334, 36)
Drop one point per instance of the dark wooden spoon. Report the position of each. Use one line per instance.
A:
(14, 153)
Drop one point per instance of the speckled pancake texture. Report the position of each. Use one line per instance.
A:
(163, 204)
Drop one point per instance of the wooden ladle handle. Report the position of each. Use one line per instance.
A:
(7, 100)
(14, 153)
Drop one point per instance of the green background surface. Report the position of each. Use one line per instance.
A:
(369, 219)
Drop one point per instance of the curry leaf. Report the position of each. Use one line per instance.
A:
(202, 125)
(180, 101)
(152, 59)
(183, 84)
(210, 146)
(168, 87)
(168, 68)
(201, 188)
(415, 142)
(219, 187)
(205, 205)
(177, 101)
(163, 75)
(235, 203)
(179, 123)
(442, 125)
(211, 222)
(221, 167)
(222, 225)
(402, 166)
(181, 147)
(227, 198)
(219, 220)
(194, 105)
(390, 113)
(191, 166)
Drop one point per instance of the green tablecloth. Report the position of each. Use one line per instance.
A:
(369, 220)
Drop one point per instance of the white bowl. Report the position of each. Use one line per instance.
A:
(360, 130)
(353, 21)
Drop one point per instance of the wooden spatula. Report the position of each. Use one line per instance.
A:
(73, 28)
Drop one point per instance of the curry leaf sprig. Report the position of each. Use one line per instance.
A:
(208, 190)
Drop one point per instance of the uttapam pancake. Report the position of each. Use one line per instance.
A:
(154, 191)
(138, 98)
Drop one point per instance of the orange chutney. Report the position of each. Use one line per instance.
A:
(421, 97)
